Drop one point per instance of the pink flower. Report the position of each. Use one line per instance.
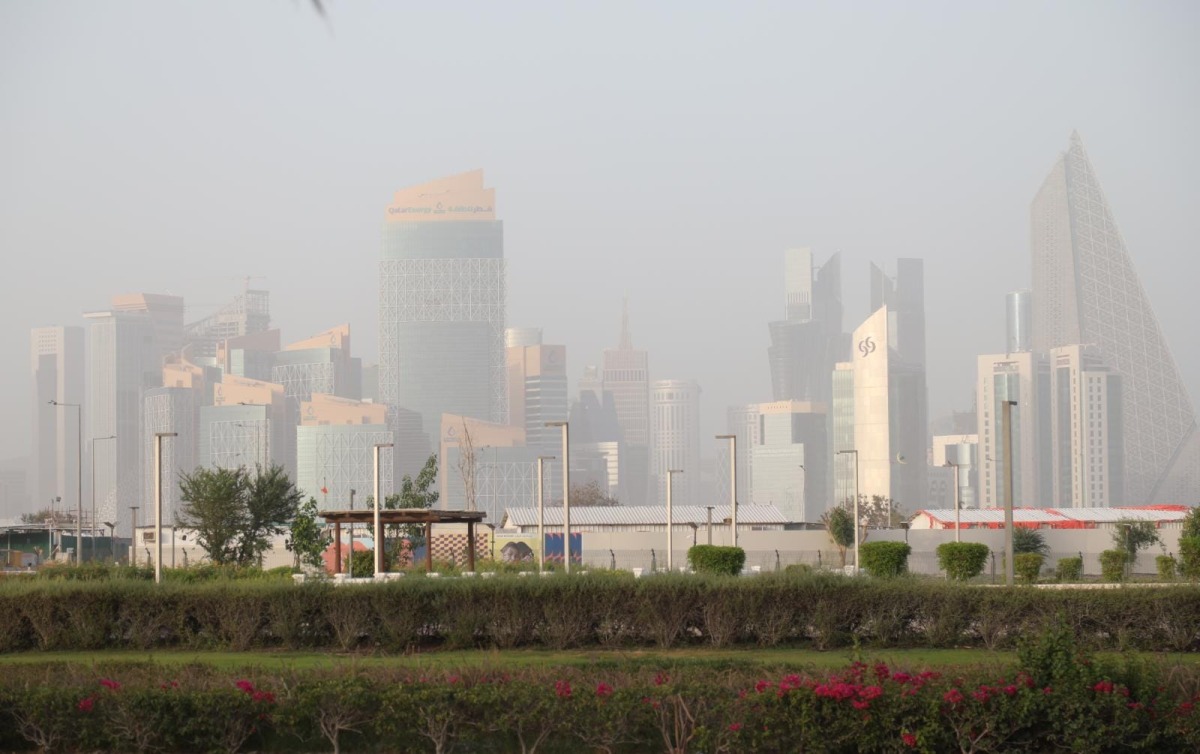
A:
(1103, 687)
(264, 696)
(603, 690)
(108, 683)
(245, 686)
(1134, 705)
(901, 678)
(762, 686)
(981, 696)
(882, 671)
(870, 692)
(860, 705)
(735, 727)
(86, 704)
(1010, 690)
(562, 689)
(661, 678)
(1048, 690)
(909, 739)
(953, 696)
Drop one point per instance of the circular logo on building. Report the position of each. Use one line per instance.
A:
(866, 346)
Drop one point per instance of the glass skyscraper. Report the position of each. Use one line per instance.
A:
(442, 301)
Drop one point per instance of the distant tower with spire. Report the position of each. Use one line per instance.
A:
(626, 376)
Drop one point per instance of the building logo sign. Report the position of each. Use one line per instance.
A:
(866, 346)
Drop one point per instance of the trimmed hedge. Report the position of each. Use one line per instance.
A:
(1028, 566)
(1053, 699)
(1112, 565)
(593, 610)
(1168, 567)
(1069, 570)
(728, 561)
(884, 559)
(962, 561)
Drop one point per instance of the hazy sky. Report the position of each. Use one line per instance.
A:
(668, 152)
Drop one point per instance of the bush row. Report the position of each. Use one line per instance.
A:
(1051, 701)
(560, 611)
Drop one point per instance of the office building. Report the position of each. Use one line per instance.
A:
(789, 459)
(487, 466)
(335, 450)
(249, 312)
(56, 362)
(167, 409)
(1024, 378)
(625, 375)
(246, 425)
(522, 336)
(1085, 290)
(949, 451)
(442, 300)
(537, 392)
(741, 422)
(1018, 321)
(251, 355)
(318, 364)
(1086, 430)
(842, 433)
(904, 297)
(676, 439)
(809, 340)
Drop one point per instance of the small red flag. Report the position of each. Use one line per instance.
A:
(324, 491)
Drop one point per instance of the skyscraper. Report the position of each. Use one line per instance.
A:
(537, 392)
(56, 361)
(625, 375)
(441, 302)
(335, 449)
(809, 340)
(676, 439)
(1018, 321)
(789, 459)
(1024, 378)
(1085, 291)
(1086, 432)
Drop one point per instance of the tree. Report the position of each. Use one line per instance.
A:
(308, 540)
(466, 465)
(213, 505)
(414, 493)
(589, 495)
(1029, 541)
(235, 515)
(839, 522)
(1132, 536)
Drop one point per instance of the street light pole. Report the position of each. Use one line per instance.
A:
(1006, 408)
(133, 509)
(856, 518)
(733, 506)
(94, 439)
(957, 517)
(378, 524)
(566, 465)
(158, 438)
(541, 497)
(79, 479)
(670, 519)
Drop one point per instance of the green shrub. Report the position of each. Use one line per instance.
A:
(1112, 565)
(1189, 554)
(1069, 570)
(962, 561)
(716, 559)
(1028, 566)
(884, 559)
(1168, 568)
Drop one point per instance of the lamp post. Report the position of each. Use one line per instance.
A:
(566, 466)
(378, 524)
(541, 520)
(732, 484)
(350, 526)
(133, 509)
(670, 519)
(1006, 409)
(112, 530)
(856, 519)
(957, 518)
(803, 496)
(79, 478)
(94, 439)
(158, 438)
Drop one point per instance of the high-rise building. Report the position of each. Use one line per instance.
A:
(167, 409)
(904, 297)
(522, 336)
(890, 424)
(1086, 433)
(1018, 321)
(246, 425)
(487, 466)
(842, 433)
(676, 439)
(625, 375)
(319, 364)
(1024, 378)
(741, 422)
(166, 316)
(1085, 290)
(955, 450)
(537, 392)
(248, 313)
(789, 459)
(56, 361)
(442, 300)
(124, 363)
(809, 340)
(335, 450)
(251, 355)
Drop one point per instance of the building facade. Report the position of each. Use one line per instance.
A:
(1085, 290)
(789, 459)
(1024, 378)
(56, 365)
(1087, 439)
(676, 439)
(537, 392)
(625, 375)
(335, 450)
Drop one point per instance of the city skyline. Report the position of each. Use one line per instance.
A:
(571, 258)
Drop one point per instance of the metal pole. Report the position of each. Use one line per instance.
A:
(957, 507)
(93, 498)
(670, 519)
(1008, 492)
(566, 465)
(733, 506)
(350, 526)
(710, 510)
(133, 509)
(378, 519)
(856, 518)
(79, 480)
(541, 497)
(158, 438)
